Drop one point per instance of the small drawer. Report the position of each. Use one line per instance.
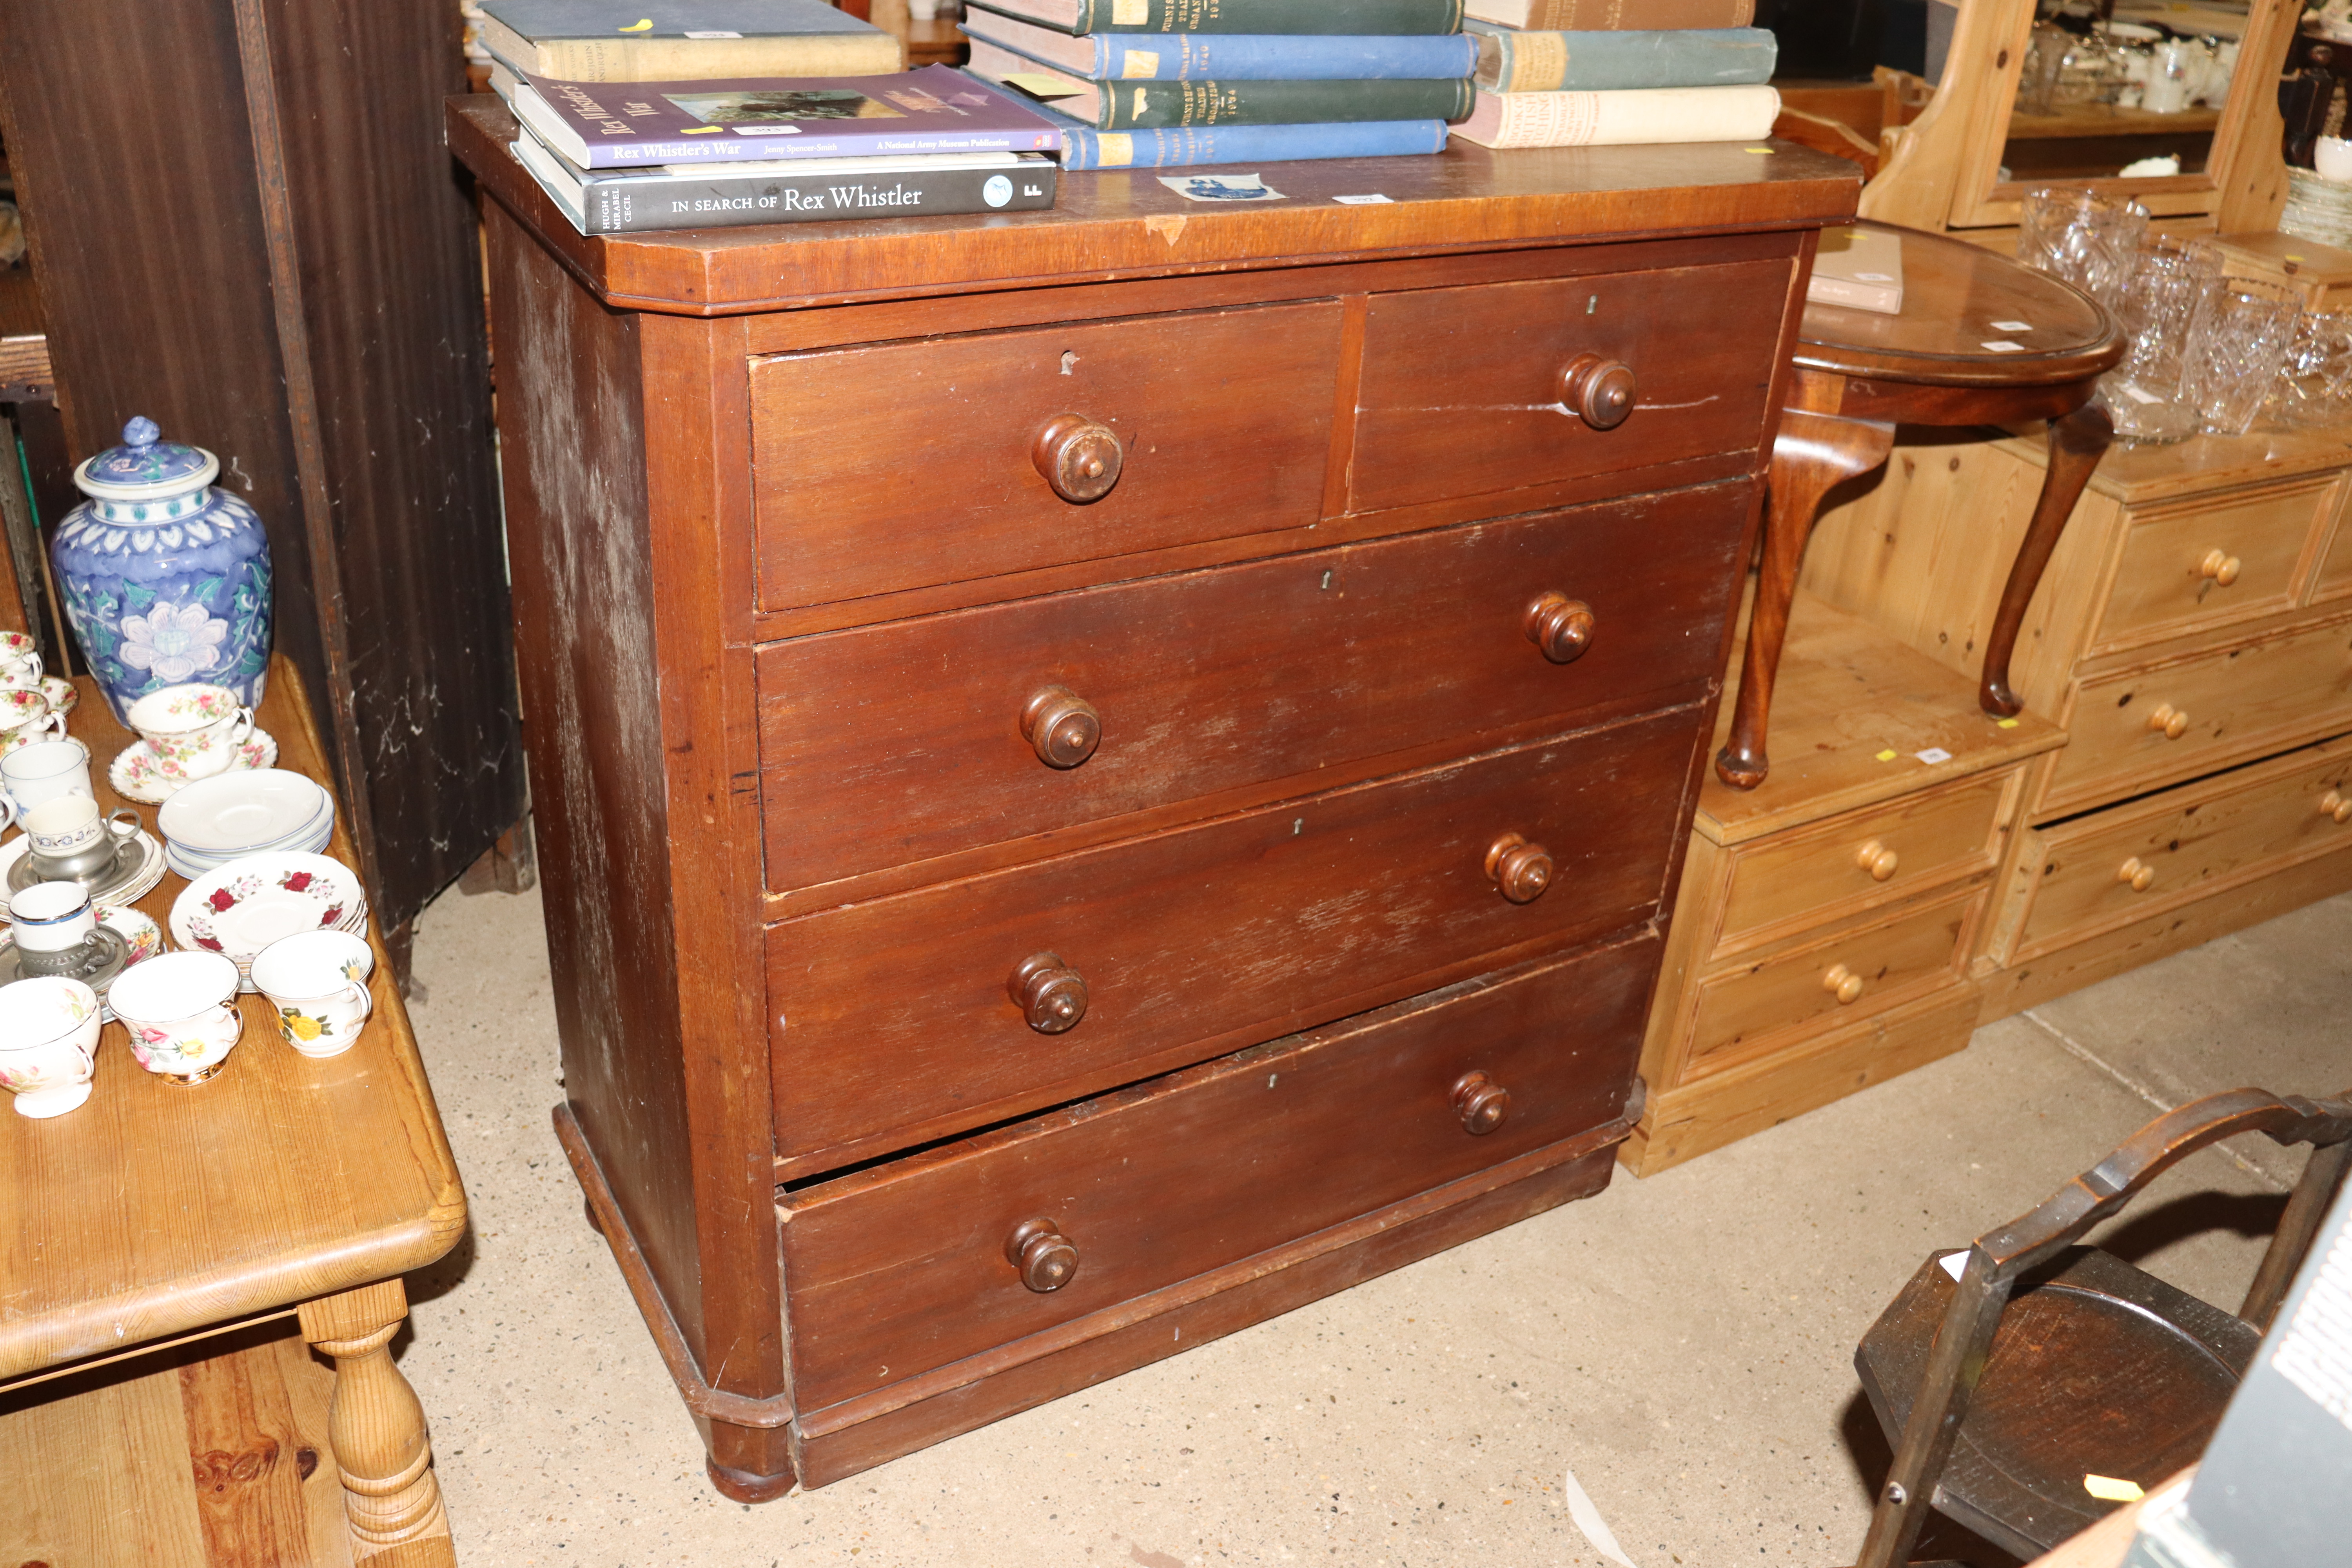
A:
(897, 1270)
(876, 469)
(2187, 567)
(1180, 687)
(1462, 390)
(2117, 865)
(906, 1017)
(1853, 975)
(1827, 870)
(2139, 730)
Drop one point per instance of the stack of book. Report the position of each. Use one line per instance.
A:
(1165, 83)
(1574, 73)
(711, 113)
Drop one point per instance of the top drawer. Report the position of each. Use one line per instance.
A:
(878, 470)
(1462, 391)
(2188, 567)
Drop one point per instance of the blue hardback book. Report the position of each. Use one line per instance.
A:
(1510, 60)
(1084, 147)
(1229, 57)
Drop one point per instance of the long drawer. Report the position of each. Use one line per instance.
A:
(910, 464)
(906, 1266)
(1462, 391)
(897, 1019)
(2141, 729)
(1210, 680)
(2121, 864)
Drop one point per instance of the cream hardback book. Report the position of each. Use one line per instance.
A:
(1859, 267)
(1619, 118)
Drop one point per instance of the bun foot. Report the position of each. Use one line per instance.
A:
(740, 1486)
(1741, 770)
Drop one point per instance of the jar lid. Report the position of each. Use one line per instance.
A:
(145, 466)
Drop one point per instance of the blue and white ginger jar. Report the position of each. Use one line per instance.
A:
(166, 578)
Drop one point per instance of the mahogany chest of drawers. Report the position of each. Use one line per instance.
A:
(1104, 774)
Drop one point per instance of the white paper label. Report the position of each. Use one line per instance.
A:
(2013, 326)
(2004, 346)
(1219, 188)
(1370, 201)
(1952, 1263)
(1933, 755)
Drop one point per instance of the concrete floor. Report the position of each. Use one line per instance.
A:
(1683, 1345)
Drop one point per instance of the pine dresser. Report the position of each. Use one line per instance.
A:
(1104, 774)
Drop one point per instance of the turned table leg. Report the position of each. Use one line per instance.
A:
(1813, 453)
(2077, 442)
(377, 1428)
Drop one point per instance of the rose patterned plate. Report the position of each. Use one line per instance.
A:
(137, 775)
(249, 903)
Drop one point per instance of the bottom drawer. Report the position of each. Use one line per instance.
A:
(904, 1267)
(2119, 865)
(1856, 973)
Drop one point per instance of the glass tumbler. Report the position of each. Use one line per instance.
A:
(2236, 344)
(2089, 239)
(2168, 281)
(2314, 380)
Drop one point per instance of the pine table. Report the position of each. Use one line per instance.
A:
(169, 1257)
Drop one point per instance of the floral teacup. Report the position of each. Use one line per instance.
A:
(193, 732)
(26, 717)
(49, 1043)
(181, 1014)
(20, 662)
(318, 981)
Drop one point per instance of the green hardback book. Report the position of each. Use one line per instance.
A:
(1147, 105)
(1361, 16)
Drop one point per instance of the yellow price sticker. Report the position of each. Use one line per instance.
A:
(1887, 755)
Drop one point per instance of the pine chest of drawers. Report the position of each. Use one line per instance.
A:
(1104, 774)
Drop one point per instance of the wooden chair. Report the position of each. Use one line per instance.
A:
(2095, 1369)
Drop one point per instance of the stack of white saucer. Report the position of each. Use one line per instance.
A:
(214, 821)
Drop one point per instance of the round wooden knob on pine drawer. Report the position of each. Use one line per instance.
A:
(2333, 803)
(1877, 859)
(1842, 983)
(1521, 869)
(1598, 390)
(1481, 1102)
(2221, 566)
(1080, 458)
(1050, 993)
(1561, 627)
(1062, 725)
(2137, 874)
(1043, 1253)
(2168, 721)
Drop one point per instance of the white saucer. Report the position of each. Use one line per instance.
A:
(134, 775)
(243, 810)
(130, 890)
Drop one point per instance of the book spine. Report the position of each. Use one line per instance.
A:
(1237, 57)
(1250, 144)
(872, 53)
(1616, 16)
(1128, 106)
(1511, 61)
(1292, 17)
(1619, 119)
(637, 206)
(872, 144)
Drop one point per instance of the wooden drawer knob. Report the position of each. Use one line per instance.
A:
(1561, 627)
(1062, 725)
(1877, 859)
(2333, 803)
(1842, 983)
(1043, 1253)
(2137, 874)
(1050, 994)
(2221, 566)
(1481, 1102)
(2168, 721)
(1079, 459)
(1598, 390)
(1523, 870)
